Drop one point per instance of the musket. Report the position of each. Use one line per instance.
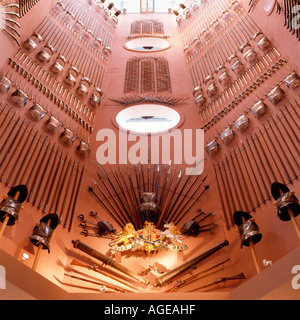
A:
(239, 276)
(108, 261)
(169, 276)
(104, 285)
(97, 269)
(195, 277)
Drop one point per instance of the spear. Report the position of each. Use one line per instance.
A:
(190, 207)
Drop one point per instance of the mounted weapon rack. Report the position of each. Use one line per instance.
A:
(50, 97)
(247, 102)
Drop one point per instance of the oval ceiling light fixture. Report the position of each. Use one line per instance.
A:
(147, 44)
(148, 119)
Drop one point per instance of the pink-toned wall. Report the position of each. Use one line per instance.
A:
(279, 239)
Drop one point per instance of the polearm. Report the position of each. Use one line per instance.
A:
(191, 186)
(115, 215)
(167, 277)
(239, 276)
(191, 206)
(108, 261)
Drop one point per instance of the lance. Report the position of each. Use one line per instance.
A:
(190, 188)
(115, 215)
(164, 185)
(61, 188)
(226, 164)
(282, 149)
(225, 190)
(123, 192)
(167, 205)
(43, 175)
(290, 126)
(289, 135)
(53, 180)
(288, 111)
(76, 198)
(107, 261)
(244, 180)
(11, 144)
(38, 170)
(126, 188)
(19, 156)
(279, 157)
(239, 276)
(248, 175)
(170, 275)
(207, 187)
(96, 268)
(9, 135)
(71, 195)
(221, 199)
(114, 189)
(258, 166)
(232, 196)
(170, 215)
(112, 197)
(50, 184)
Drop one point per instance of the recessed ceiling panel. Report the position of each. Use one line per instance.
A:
(147, 44)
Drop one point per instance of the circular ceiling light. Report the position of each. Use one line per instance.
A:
(147, 44)
(148, 119)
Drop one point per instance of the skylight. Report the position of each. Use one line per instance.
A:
(136, 6)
